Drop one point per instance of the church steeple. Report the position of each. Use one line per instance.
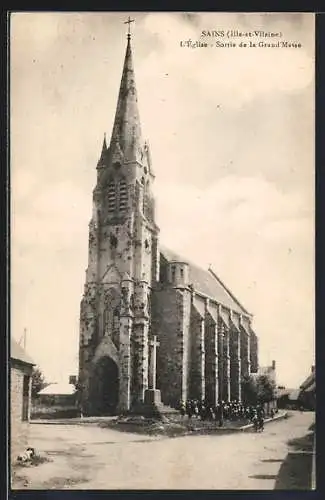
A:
(126, 135)
(123, 263)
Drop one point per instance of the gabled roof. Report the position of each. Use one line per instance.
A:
(207, 282)
(309, 381)
(294, 395)
(311, 387)
(19, 354)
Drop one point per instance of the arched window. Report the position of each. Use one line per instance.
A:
(107, 320)
(144, 202)
(111, 313)
(146, 199)
(116, 319)
(149, 304)
(111, 196)
(116, 327)
(123, 195)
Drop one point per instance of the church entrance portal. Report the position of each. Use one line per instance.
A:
(105, 387)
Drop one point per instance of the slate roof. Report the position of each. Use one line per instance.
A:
(311, 387)
(207, 282)
(310, 380)
(294, 395)
(19, 354)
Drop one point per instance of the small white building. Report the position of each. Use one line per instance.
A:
(57, 394)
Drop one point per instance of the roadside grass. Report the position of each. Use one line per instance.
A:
(64, 471)
(60, 483)
(173, 426)
(295, 472)
(20, 480)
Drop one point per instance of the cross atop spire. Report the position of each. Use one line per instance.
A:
(128, 22)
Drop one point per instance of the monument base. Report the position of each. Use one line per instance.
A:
(152, 407)
(152, 397)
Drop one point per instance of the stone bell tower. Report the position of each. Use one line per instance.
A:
(123, 262)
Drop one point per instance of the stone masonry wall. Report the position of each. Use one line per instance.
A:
(197, 379)
(224, 361)
(140, 353)
(253, 352)
(235, 364)
(19, 429)
(125, 364)
(140, 361)
(245, 365)
(167, 324)
(185, 339)
(211, 360)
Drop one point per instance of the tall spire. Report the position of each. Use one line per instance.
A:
(126, 134)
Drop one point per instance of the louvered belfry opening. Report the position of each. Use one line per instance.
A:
(117, 196)
(123, 195)
(111, 195)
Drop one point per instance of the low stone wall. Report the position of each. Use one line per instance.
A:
(53, 412)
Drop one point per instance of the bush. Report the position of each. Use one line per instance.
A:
(265, 389)
(249, 390)
(258, 390)
(38, 382)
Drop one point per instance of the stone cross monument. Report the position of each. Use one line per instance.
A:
(153, 344)
(152, 395)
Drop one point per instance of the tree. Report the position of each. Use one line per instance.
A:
(249, 390)
(260, 389)
(38, 381)
(266, 390)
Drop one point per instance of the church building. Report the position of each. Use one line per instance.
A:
(150, 319)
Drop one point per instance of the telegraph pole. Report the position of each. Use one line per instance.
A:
(23, 339)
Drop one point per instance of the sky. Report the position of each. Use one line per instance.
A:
(231, 132)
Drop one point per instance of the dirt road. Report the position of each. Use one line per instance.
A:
(89, 457)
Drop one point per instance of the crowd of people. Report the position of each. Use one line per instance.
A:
(224, 411)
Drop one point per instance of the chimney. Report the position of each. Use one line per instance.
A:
(273, 365)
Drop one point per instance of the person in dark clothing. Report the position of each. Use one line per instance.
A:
(211, 415)
(182, 409)
(189, 409)
(203, 411)
(196, 411)
(221, 415)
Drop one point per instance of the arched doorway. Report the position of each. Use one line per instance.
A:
(105, 387)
